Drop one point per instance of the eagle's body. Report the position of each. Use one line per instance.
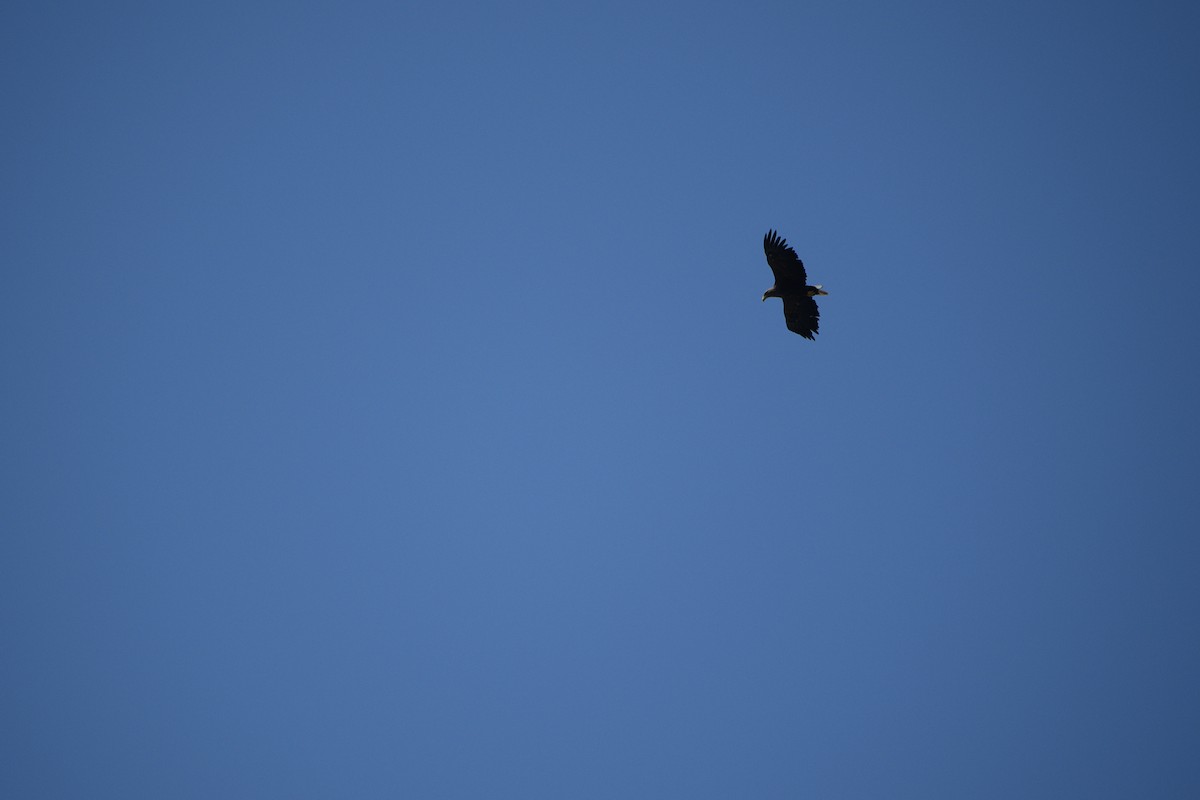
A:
(791, 284)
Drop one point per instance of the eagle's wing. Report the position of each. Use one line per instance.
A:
(787, 266)
(802, 315)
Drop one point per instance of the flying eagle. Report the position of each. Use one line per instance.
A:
(799, 308)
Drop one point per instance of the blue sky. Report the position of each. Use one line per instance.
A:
(390, 411)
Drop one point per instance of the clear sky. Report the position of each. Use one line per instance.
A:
(389, 410)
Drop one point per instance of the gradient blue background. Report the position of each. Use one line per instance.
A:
(389, 410)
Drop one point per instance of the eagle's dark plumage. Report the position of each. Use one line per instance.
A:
(791, 284)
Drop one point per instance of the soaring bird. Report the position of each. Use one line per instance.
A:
(791, 284)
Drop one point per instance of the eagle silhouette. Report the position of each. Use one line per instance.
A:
(791, 284)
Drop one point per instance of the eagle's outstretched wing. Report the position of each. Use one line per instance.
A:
(802, 315)
(787, 266)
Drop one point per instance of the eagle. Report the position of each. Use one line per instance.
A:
(791, 284)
